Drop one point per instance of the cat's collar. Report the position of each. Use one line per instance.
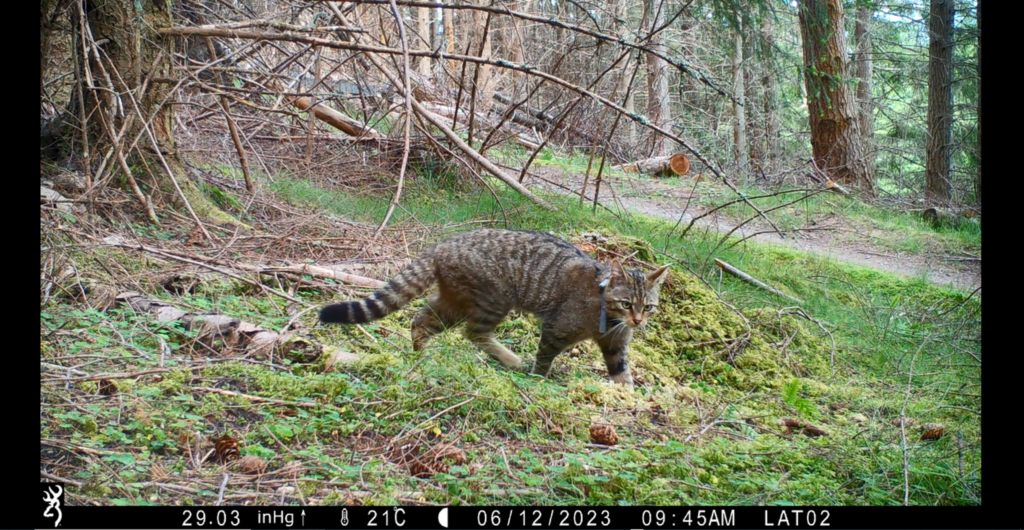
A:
(603, 323)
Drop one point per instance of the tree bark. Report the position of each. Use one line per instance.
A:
(865, 103)
(448, 21)
(49, 11)
(516, 40)
(480, 36)
(978, 190)
(835, 132)
(423, 29)
(940, 101)
(739, 132)
(659, 109)
(626, 73)
(771, 97)
(132, 53)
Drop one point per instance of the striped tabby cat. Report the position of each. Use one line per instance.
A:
(483, 274)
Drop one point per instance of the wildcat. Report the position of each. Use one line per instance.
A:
(482, 275)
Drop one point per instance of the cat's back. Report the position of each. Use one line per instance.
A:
(513, 261)
(489, 246)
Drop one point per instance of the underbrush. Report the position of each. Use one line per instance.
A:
(719, 367)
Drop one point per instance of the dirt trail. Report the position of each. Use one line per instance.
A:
(830, 238)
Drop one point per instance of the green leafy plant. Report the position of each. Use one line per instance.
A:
(791, 395)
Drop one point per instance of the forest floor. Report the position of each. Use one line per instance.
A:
(741, 398)
(825, 232)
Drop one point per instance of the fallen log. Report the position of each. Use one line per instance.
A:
(660, 165)
(754, 281)
(336, 119)
(938, 216)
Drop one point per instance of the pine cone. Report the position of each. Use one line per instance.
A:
(603, 434)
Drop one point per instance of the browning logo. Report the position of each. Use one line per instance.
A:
(51, 496)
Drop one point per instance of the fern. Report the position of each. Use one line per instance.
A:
(803, 406)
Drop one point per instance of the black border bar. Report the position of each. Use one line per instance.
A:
(522, 517)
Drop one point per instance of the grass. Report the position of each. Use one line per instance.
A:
(886, 228)
(877, 224)
(700, 430)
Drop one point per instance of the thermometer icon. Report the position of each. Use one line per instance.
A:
(344, 517)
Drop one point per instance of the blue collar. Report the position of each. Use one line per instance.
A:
(603, 325)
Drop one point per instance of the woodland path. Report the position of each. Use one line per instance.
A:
(832, 236)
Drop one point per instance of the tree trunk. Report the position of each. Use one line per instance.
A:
(771, 97)
(940, 101)
(978, 190)
(659, 109)
(423, 42)
(517, 38)
(480, 36)
(864, 69)
(739, 132)
(49, 11)
(835, 133)
(128, 30)
(448, 20)
(625, 74)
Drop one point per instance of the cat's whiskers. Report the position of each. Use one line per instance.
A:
(619, 328)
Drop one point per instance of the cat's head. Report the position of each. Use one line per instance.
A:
(632, 296)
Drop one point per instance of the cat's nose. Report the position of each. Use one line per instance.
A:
(637, 320)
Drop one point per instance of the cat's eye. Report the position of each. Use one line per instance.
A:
(649, 308)
(626, 305)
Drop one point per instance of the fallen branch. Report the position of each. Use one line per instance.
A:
(258, 399)
(538, 119)
(336, 119)
(538, 19)
(320, 272)
(481, 121)
(753, 281)
(254, 340)
(227, 273)
(822, 178)
(436, 120)
(122, 375)
(371, 55)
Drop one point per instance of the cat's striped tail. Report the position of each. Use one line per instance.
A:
(408, 285)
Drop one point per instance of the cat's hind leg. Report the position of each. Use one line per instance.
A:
(480, 331)
(432, 319)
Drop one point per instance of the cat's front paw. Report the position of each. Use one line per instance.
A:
(625, 378)
(539, 370)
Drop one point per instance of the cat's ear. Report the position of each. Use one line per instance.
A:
(618, 274)
(655, 278)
